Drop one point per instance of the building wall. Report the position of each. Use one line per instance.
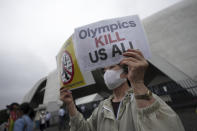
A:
(52, 88)
(172, 35)
(29, 96)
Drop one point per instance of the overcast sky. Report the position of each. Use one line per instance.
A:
(33, 31)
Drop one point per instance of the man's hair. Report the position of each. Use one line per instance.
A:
(25, 107)
(27, 110)
(11, 106)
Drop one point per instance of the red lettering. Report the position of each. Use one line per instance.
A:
(118, 37)
(106, 40)
(110, 39)
(97, 41)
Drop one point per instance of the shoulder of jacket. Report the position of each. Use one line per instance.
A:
(19, 120)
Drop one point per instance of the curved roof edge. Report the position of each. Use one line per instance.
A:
(52, 87)
(28, 97)
(172, 36)
(171, 71)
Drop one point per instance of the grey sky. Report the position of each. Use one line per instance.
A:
(33, 31)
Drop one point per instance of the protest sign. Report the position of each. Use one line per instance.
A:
(69, 73)
(102, 43)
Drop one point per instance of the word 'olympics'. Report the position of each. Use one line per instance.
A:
(84, 33)
(107, 35)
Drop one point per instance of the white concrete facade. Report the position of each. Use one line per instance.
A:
(172, 35)
(28, 97)
(52, 88)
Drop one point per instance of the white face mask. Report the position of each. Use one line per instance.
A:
(112, 79)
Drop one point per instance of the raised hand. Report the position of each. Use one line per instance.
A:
(67, 98)
(137, 65)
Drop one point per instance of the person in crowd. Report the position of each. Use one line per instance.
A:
(48, 117)
(14, 114)
(133, 107)
(62, 124)
(37, 119)
(25, 122)
(42, 120)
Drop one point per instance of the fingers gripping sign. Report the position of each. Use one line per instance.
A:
(66, 96)
(137, 65)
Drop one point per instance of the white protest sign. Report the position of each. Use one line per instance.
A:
(102, 43)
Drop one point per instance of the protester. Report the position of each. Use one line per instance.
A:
(48, 117)
(62, 124)
(13, 115)
(25, 122)
(132, 108)
(42, 120)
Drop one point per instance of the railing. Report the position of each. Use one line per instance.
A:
(177, 95)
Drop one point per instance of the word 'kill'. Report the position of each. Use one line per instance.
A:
(107, 39)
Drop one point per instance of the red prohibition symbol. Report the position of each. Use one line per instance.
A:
(67, 68)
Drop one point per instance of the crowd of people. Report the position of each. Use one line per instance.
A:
(21, 117)
(24, 118)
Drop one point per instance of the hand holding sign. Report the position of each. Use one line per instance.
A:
(67, 98)
(137, 65)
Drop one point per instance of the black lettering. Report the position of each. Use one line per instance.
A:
(102, 53)
(93, 32)
(96, 57)
(113, 27)
(82, 34)
(103, 28)
(125, 24)
(131, 45)
(88, 32)
(123, 48)
(132, 23)
(119, 25)
(115, 50)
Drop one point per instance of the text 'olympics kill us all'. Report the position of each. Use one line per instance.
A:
(107, 39)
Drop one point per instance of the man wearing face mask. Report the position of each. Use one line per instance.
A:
(132, 108)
